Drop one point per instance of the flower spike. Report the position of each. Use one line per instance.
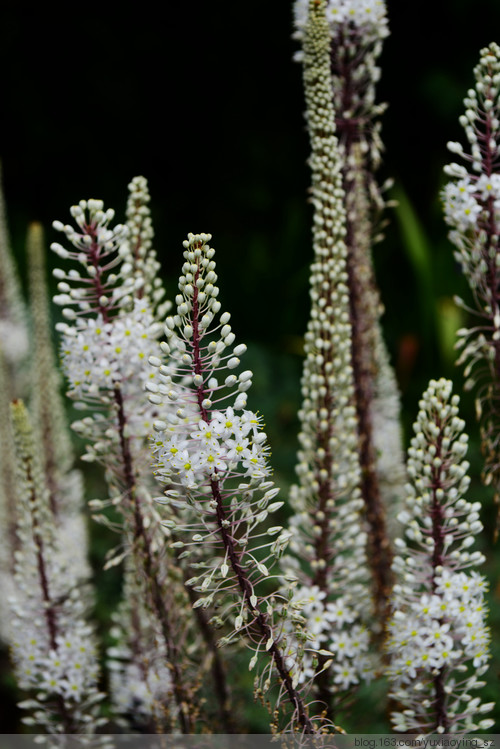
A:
(211, 456)
(328, 538)
(472, 208)
(53, 649)
(438, 637)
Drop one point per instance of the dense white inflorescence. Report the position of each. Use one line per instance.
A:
(211, 455)
(139, 258)
(111, 334)
(52, 645)
(438, 637)
(327, 545)
(472, 209)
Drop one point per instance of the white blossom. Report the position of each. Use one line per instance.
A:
(438, 627)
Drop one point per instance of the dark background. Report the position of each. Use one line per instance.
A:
(203, 99)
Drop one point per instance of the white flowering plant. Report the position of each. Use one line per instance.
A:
(438, 636)
(360, 580)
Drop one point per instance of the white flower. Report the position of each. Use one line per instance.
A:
(437, 622)
(345, 675)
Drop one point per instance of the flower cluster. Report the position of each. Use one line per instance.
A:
(106, 347)
(98, 355)
(215, 449)
(369, 15)
(438, 637)
(52, 645)
(212, 462)
(471, 200)
(334, 631)
(472, 208)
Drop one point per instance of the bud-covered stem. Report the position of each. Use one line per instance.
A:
(147, 561)
(471, 206)
(252, 603)
(213, 462)
(438, 636)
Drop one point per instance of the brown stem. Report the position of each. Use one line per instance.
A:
(218, 670)
(150, 568)
(437, 515)
(364, 313)
(262, 622)
(49, 606)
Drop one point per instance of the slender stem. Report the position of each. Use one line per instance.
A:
(49, 606)
(151, 572)
(261, 620)
(364, 305)
(437, 515)
(218, 670)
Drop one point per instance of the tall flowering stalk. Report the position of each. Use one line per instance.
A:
(328, 539)
(472, 208)
(106, 348)
(52, 645)
(211, 456)
(438, 641)
(357, 29)
(64, 483)
(139, 258)
(8, 500)
(13, 316)
(106, 359)
(14, 342)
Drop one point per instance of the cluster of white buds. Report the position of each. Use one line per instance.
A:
(212, 459)
(333, 631)
(52, 645)
(327, 546)
(438, 637)
(139, 258)
(472, 208)
(356, 29)
(96, 247)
